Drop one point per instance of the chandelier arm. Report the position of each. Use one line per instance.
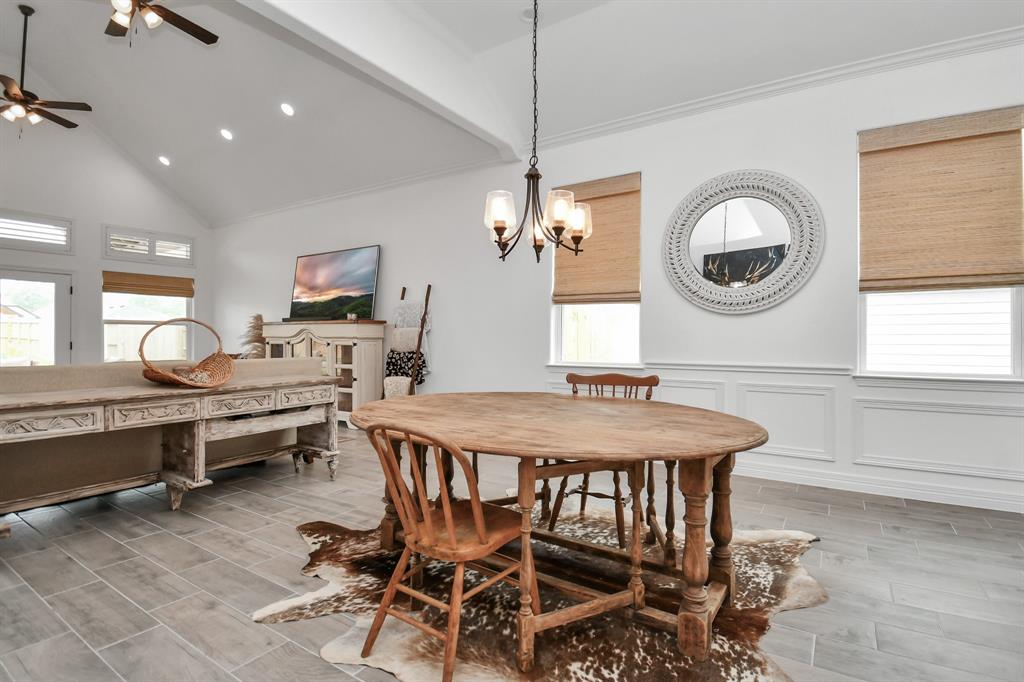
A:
(515, 236)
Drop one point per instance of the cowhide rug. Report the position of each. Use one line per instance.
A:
(769, 579)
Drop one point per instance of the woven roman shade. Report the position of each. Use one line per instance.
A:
(607, 270)
(149, 285)
(942, 203)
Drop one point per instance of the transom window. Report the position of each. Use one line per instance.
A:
(34, 233)
(147, 247)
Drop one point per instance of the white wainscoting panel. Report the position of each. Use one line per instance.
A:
(967, 439)
(694, 392)
(800, 419)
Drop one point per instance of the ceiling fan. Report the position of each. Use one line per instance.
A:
(154, 15)
(17, 103)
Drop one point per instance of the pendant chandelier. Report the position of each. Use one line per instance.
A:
(561, 216)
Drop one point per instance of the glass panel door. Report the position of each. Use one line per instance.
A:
(35, 318)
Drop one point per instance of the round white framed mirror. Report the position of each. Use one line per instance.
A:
(743, 241)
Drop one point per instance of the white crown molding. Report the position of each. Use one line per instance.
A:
(915, 490)
(364, 189)
(946, 50)
(760, 367)
(865, 67)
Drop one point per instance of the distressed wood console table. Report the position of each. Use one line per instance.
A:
(601, 431)
(92, 426)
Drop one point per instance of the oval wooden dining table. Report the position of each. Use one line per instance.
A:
(598, 432)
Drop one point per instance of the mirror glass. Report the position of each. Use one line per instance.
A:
(739, 242)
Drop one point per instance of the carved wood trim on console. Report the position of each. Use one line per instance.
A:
(238, 403)
(134, 415)
(297, 397)
(21, 426)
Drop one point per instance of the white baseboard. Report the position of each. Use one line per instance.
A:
(929, 492)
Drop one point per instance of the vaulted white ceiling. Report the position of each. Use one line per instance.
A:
(389, 91)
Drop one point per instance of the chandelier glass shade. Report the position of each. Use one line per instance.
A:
(561, 221)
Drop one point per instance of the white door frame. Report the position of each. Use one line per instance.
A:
(62, 341)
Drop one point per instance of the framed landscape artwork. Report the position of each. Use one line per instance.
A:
(332, 285)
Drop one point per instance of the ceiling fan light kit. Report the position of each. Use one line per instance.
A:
(153, 15)
(22, 104)
(561, 215)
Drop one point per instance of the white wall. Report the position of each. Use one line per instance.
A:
(79, 175)
(789, 367)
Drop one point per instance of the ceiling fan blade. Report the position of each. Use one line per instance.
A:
(55, 118)
(74, 106)
(11, 87)
(180, 22)
(115, 29)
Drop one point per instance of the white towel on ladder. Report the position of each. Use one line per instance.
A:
(403, 339)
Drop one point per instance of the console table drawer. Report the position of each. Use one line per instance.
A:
(238, 403)
(134, 415)
(20, 426)
(307, 395)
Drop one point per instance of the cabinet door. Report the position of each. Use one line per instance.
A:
(369, 372)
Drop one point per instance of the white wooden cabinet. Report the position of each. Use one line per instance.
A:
(352, 352)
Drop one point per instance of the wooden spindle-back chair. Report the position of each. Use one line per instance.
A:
(439, 528)
(606, 386)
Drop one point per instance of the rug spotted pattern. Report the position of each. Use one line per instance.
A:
(769, 579)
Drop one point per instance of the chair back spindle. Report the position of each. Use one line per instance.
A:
(416, 512)
(613, 385)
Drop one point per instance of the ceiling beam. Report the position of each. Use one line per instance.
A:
(387, 44)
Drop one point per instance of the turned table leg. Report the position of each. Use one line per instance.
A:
(390, 524)
(670, 513)
(651, 513)
(545, 498)
(695, 616)
(636, 553)
(527, 609)
(722, 569)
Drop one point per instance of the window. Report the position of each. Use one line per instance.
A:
(147, 247)
(942, 246)
(35, 318)
(974, 332)
(34, 233)
(596, 294)
(597, 333)
(133, 303)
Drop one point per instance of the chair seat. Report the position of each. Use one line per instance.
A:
(503, 525)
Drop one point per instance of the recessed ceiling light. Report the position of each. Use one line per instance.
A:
(164, 160)
(288, 109)
(226, 134)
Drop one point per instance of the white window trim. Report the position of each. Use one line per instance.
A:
(19, 245)
(190, 334)
(555, 351)
(876, 377)
(152, 237)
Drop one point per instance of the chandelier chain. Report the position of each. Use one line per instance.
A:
(533, 157)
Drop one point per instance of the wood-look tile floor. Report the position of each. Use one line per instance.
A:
(117, 587)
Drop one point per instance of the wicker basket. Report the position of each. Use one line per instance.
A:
(209, 372)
